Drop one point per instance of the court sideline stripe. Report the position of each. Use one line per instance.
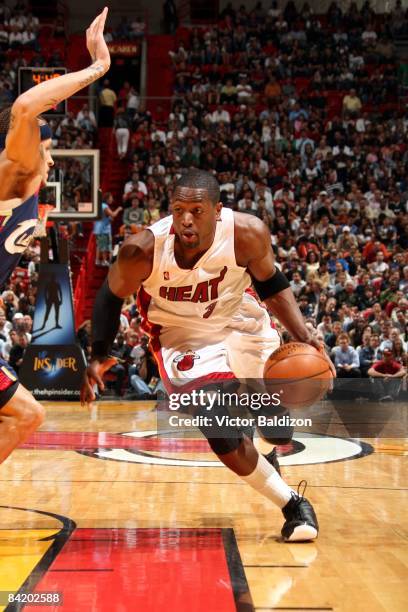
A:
(268, 566)
(234, 484)
(239, 583)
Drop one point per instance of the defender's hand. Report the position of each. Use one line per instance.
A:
(95, 41)
(94, 376)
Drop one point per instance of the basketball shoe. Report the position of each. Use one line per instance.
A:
(301, 523)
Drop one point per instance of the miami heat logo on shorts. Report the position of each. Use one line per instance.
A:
(185, 361)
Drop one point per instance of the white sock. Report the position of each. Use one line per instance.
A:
(266, 480)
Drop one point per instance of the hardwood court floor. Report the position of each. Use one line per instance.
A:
(146, 523)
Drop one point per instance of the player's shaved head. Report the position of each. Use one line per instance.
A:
(201, 181)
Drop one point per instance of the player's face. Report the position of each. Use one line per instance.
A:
(46, 160)
(194, 217)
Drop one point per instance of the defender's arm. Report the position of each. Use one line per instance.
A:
(23, 138)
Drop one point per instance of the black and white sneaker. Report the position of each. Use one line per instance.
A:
(301, 523)
(272, 458)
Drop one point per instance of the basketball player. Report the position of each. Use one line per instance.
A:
(192, 270)
(25, 160)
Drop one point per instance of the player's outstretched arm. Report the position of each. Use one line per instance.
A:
(23, 140)
(273, 287)
(254, 244)
(133, 266)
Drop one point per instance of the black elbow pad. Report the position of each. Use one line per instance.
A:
(269, 287)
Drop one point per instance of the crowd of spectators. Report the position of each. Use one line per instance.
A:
(18, 27)
(17, 302)
(75, 130)
(128, 28)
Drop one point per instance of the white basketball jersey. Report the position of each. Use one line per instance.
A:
(203, 299)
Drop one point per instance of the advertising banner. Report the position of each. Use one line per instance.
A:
(53, 363)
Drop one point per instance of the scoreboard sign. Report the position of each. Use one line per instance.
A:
(30, 76)
(124, 49)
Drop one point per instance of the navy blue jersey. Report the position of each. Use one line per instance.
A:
(16, 228)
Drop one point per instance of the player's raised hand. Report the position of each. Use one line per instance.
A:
(95, 41)
(94, 376)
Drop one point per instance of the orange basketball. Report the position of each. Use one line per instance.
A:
(299, 373)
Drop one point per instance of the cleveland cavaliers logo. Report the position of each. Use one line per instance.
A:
(186, 360)
(19, 240)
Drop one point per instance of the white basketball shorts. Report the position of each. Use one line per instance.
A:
(187, 358)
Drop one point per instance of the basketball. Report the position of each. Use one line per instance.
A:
(299, 373)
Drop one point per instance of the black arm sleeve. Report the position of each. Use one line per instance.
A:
(105, 321)
(270, 286)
